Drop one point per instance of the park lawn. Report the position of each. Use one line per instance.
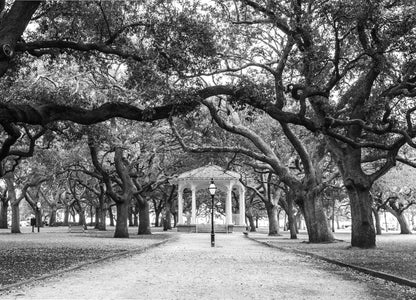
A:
(395, 254)
(30, 255)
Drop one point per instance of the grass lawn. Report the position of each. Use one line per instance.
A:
(29, 255)
(395, 254)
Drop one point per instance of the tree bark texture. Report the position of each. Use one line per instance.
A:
(4, 205)
(14, 203)
(15, 218)
(249, 215)
(144, 218)
(358, 185)
(292, 225)
(404, 225)
(157, 218)
(97, 217)
(66, 216)
(102, 212)
(272, 212)
(377, 219)
(13, 25)
(363, 233)
(52, 217)
(130, 217)
(168, 217)
(121, 230)
(38, 216)
(316, 221)
(111, 215)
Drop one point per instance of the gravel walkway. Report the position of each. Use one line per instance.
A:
(188, 268)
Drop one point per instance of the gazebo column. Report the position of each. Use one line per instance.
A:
(228, 205)
(193, 208)
(242, 206)
(180, 204)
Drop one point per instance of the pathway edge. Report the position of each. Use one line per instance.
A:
(374, 273)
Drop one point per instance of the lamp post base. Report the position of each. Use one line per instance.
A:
(212, 240)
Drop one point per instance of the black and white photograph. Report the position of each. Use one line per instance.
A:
(208, 149)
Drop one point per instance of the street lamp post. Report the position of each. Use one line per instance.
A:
(212, 189)
(38, 217)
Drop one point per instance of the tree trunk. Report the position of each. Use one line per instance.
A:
(135, 220)
(404, 225)
(363, 233)
(4, 205)
(14, 23)
(144, 218)
(285, 223)
(249, 214)
(15, 218)
(111, 215)
(38, 216)
(52, 218)
(289, 212)
(168, 219)
(131, 224)
(315, 218)
(292, 224)
(358, 186)
(157, 217)
(175, 219)
(102, 212)
(293, 229)
(377, 219)
(168, 214)
(82, 221)
(253, 227)
(97, 217)
(298, 218)
(66, 216)
(121, 230)
(272, 215)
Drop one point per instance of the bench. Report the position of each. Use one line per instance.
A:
(76, 229)
(218, 228)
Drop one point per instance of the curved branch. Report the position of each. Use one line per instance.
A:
(237, 150)
(280, 23)
(300, 149)
(44, 114)
(13, 135)
(78, 46)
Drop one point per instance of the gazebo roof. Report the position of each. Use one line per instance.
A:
(207, 172)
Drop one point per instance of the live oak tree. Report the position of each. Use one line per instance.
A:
(29, 181)
(351, 62)
(270, 196)
(348, 68)
(394, 193)
(119, 188)
(306, 188)
(396, 203)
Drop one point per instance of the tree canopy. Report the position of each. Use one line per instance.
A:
(343, 70)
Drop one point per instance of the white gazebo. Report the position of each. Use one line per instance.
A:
(200, 178)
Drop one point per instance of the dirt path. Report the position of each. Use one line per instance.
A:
(188, 268)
